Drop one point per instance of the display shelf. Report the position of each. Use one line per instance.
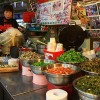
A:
(92, 29)
(32, 23)
(34, 27)
(37, 31)
(94, 16)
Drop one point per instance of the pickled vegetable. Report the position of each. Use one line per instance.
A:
(61, 70)
(28, 55)
(91, 66)
(89, 84)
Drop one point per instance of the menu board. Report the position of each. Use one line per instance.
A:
(54, 12)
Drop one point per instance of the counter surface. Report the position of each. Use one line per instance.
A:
(21, 87)
(35, 95)
(16, 83)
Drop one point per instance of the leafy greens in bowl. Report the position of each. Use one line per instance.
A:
(71, 56)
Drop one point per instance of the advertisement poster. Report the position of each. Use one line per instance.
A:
(91, 10)
(94, 23)
(95, 44)
(98, 6)
(54, 12)
(94, 33)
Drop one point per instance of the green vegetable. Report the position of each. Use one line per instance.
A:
(89, 84)
(91, 66)
(40, 64)
(71, 56)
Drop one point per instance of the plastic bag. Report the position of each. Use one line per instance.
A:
(9, 35)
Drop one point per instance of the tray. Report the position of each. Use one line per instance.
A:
(8, 69)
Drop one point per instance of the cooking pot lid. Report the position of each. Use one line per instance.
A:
(72, 36)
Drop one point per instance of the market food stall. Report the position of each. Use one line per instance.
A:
(62, 70)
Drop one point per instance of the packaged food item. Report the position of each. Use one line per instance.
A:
(59, 47)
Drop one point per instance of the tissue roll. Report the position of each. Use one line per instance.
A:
(56, 94)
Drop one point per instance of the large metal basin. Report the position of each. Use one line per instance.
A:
(83, 95)
(57, 79)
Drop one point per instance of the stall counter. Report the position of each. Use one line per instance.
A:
(15, 86)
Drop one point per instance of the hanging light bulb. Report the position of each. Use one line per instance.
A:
(14, 4)
(22, 3)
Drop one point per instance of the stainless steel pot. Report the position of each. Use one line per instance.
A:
(40, 48)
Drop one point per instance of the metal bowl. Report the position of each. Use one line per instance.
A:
(73, 63)
(84, 72)
(37, 69)
(57, 79)
(40, 48)
(25, 62)
(84, 95)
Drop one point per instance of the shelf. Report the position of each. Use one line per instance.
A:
(94, 15)
(37, 31)
(31, 23)
(92, 29)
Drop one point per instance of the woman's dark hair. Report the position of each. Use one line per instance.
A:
(8, 8)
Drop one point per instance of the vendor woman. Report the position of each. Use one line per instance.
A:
(7, 20)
